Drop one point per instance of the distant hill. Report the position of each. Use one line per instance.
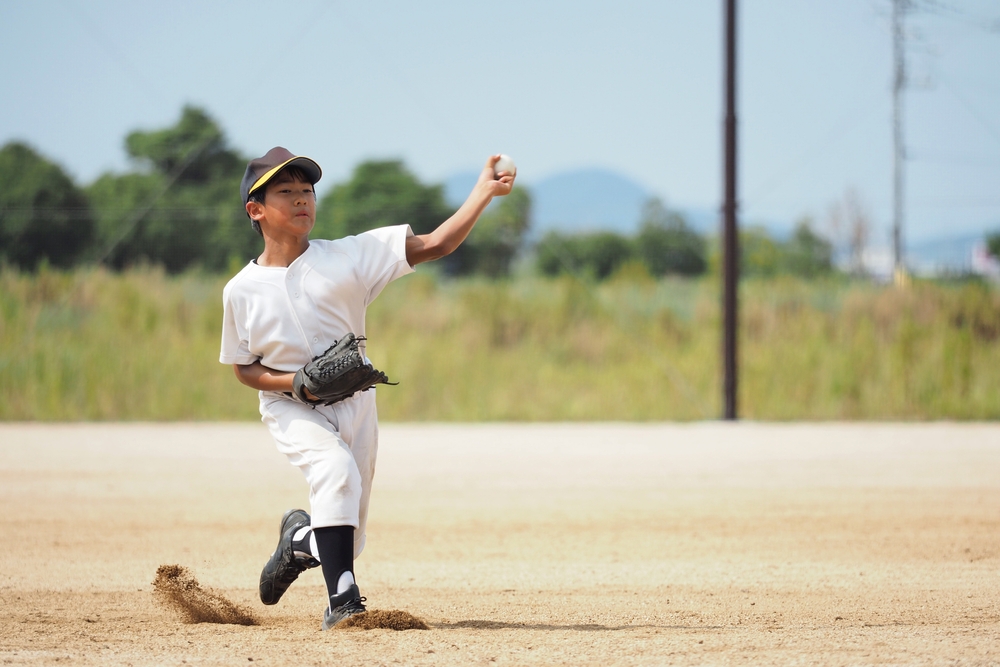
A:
(585, 200)
(582, 200)
(588, 200)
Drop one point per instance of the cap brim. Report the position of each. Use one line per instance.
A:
(308, 164)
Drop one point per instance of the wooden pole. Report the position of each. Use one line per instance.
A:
(730, 241)
(898, 150)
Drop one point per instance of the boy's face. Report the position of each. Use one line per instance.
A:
(289, 207)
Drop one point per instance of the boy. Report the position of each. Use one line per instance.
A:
(287, 306)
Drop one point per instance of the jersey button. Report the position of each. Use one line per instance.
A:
(315, 340)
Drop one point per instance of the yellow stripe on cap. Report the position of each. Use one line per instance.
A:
(269, 174)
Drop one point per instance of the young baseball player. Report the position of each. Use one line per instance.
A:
(291, 304)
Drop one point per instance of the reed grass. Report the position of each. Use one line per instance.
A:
(140, 345)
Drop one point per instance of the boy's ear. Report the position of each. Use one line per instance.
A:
(255, 210)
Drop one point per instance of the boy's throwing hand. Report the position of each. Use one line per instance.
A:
(450, 233)
(504, 178)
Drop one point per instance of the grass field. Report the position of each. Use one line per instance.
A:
(141, 345)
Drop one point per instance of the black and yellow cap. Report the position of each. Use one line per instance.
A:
(263, 169)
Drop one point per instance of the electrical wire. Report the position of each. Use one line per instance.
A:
(813, 153)
(972, 111)
(135, 215)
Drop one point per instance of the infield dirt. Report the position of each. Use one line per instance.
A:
(575, 544)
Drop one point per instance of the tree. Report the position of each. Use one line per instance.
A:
(496, 239)
(993, 244)
(379, 194)
(181, 206)
(760, 255)
(555, 254)
(849, 217)
(44, 216)
(597, 254)
(666, 245)
(194, 149)
(806, 253)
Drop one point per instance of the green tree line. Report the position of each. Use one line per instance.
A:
(178, 207)
(666, 245)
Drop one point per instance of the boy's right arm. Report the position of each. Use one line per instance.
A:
(450, 233)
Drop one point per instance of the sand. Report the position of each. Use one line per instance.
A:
(604, 544)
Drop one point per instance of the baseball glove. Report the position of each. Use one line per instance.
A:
(338, 373)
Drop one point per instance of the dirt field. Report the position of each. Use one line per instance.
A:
(519, 545)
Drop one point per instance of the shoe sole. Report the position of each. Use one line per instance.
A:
(327, 625)
(282, 528)
(357, 606)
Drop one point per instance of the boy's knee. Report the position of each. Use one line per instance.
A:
(335, 477)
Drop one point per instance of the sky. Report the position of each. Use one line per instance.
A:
(633, 86)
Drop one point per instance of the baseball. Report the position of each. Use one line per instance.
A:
(505, 163)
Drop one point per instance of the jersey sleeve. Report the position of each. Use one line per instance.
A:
(235, 336)
(383, 258)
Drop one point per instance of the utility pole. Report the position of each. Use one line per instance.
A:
(730, 244)
(899, 8)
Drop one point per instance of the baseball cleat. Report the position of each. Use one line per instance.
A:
(284, 566)
(342, 606)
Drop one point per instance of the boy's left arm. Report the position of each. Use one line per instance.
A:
(260, 377)
(450, 233)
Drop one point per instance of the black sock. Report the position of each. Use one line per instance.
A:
(335, 545)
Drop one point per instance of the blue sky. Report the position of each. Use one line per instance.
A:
(632, 86)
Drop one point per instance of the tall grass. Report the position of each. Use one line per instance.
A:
(141, 345)
(96, 345)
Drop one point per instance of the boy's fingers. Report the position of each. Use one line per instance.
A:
(489, 173)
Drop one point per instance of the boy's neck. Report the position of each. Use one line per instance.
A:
(282, 252)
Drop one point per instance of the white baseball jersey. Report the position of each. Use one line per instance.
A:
(283, 317)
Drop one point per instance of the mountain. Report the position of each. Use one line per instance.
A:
(581, 200)
(586, 200)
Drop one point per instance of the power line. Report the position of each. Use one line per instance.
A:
(675, 376)
(960, 159)
(93, 30)
(816, 150)
(140, 212)
(957, 202)
(136, 214)
(986, 124)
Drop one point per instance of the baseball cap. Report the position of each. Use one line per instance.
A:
(263, 169)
